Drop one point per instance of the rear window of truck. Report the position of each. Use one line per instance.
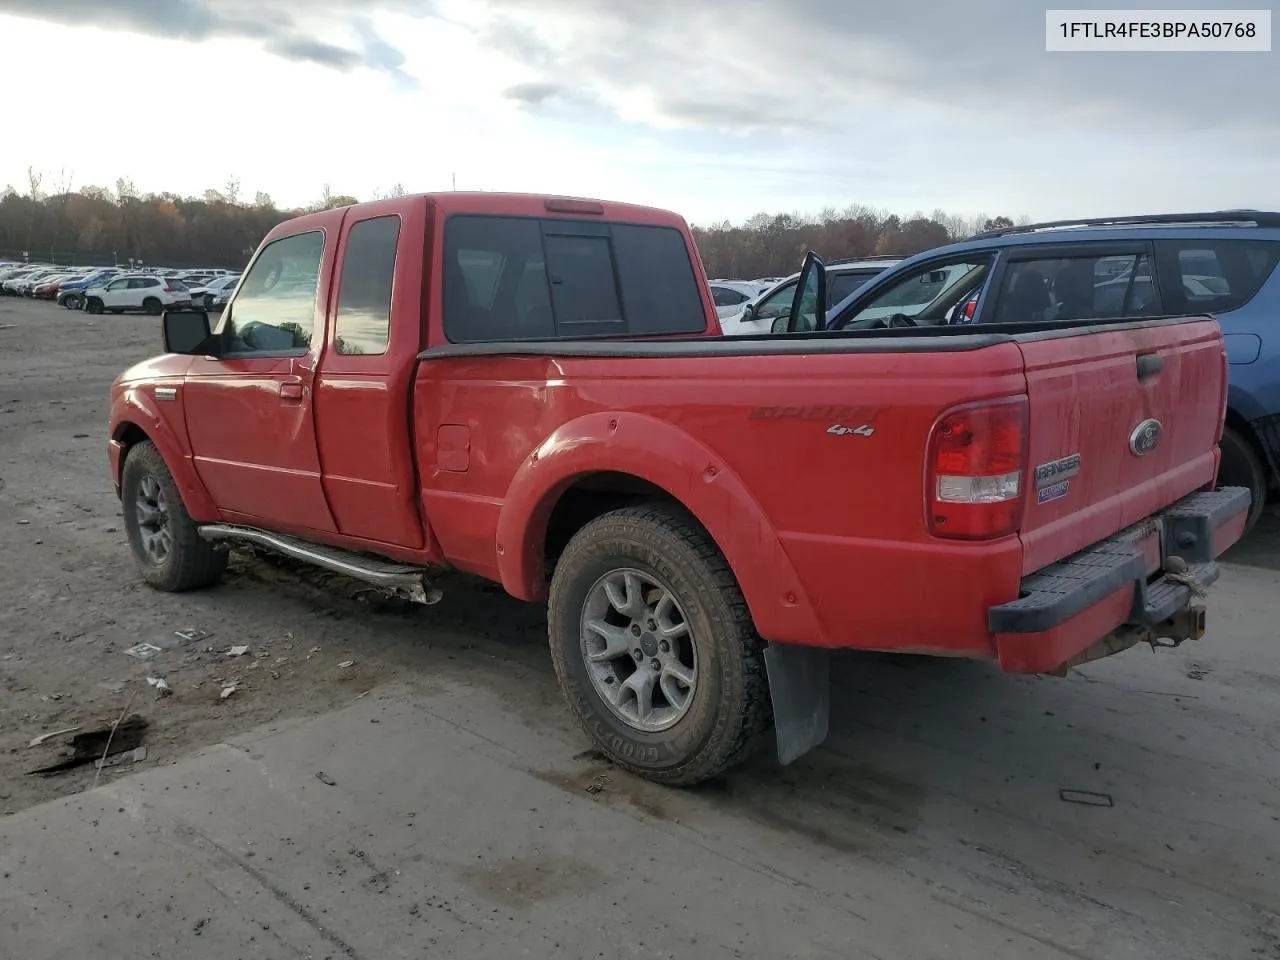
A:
(516, 278)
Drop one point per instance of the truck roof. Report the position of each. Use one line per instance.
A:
(534, 205)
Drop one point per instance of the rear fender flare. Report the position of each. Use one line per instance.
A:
(664, 455)
(135, 408)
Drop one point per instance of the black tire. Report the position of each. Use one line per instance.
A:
(730, 704)
(1242, 466)
(191, 561)
(93, 305)
(153, 307)
(72, 303)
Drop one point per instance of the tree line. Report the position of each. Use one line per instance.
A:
(98, 225)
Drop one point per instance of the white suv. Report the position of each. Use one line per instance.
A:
(149, 293)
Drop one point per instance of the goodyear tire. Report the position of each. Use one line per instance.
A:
(170, 553)
(654, 646)
(1242, 466)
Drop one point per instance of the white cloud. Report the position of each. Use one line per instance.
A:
(719, 109)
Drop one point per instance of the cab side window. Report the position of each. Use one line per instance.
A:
(362, 326)
(274, 308)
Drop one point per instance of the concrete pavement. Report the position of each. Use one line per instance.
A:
(458, 825)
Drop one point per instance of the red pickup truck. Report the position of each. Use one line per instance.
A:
(535, 390)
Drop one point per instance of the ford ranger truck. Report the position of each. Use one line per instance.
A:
(535, 390)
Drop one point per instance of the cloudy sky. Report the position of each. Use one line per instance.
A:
(716, 108)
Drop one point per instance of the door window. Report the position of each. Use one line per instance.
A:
(925, 296)
(725, 297)
(778, 303)
(1077, 288)
(1214, 276)
(274, 309)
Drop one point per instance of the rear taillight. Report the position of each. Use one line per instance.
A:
(977, 458)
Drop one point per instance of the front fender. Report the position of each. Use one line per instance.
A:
(136, 407)
(664, 455)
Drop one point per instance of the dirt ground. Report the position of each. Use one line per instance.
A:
(945, 776)
(71, 605)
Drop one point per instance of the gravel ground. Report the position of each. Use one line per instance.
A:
(940, 776)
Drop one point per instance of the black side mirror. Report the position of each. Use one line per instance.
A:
(810, 296)
(779, 324)
(187, 332)
(748, 313)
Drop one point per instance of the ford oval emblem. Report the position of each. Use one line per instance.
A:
(1145, 437)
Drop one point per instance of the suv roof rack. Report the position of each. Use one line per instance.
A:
(1257, 218)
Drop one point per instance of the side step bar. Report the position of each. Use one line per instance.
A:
(407, 581)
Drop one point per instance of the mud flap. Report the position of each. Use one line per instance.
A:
(800, 688)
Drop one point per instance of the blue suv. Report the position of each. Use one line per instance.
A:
(1221, 263)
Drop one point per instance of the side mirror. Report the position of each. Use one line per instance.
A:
(810, 297)
(779, 324)
(187, 332)
(748, 313)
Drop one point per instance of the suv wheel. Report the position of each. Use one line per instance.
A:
(153, 307)
(654, 646)
(1242, 466)
(93, 305)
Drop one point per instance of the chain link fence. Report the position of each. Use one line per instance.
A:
(79, 258)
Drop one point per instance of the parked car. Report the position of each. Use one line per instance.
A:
(48, 289)
(490, 383)
(843, 277)
(17, 284)
(730, 296)
(1218, 263)
(71, 293)
(151, 294)
(208, 296)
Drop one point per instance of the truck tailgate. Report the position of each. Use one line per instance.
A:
(1123, 422)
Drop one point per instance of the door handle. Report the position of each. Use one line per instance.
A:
(1149, 364)
(292, 391)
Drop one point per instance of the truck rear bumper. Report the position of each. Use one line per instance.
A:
(1125, 581)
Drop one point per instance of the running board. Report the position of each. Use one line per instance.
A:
(408, 581)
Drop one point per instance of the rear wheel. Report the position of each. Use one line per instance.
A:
(1242, 466)
(168, 548)
(153, 307)
(93, 305)
(654, 646)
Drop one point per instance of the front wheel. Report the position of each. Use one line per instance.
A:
(93, 305)
(168, 548)
(1242, 466)
(654, 646)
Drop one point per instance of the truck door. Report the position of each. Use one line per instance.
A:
(249, 411)
(367, 373)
